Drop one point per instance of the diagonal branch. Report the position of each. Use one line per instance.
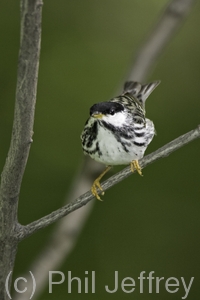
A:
(164, 151)
(148, 55)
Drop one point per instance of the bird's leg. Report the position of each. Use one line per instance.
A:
(97, 184)
(136, 167)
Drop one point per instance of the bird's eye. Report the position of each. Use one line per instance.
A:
(112, 111)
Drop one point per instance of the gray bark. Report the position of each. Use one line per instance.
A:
(21, 139)
(166, 150)
(11, 232)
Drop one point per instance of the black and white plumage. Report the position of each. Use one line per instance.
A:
(117, 132)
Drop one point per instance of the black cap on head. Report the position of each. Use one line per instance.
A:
(106, 108)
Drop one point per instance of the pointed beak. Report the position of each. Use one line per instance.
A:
(97, 115)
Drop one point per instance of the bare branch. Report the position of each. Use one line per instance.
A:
(146, 59)
(61, 244)
(159, 38)
(64, 236)
(166, 150)
(28, 65)
(13, 171)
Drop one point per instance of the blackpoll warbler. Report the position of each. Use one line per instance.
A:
(117, 132)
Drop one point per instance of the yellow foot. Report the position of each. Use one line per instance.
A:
(94, 187)
(97, 184)
(136, 167)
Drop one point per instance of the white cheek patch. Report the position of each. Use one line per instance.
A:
(118, 119)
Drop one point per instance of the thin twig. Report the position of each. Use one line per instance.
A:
(164, 151)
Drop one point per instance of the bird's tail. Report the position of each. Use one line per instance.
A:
(139, 91)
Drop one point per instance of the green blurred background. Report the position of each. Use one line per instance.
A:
(144, 224)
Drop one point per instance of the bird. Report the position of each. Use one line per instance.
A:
(117, 131)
